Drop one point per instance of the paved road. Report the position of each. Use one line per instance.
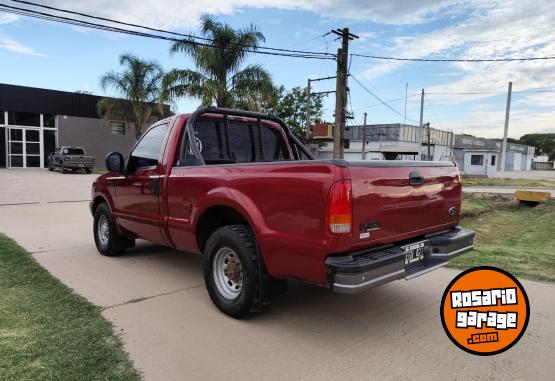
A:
(156, 299)
(504, 190)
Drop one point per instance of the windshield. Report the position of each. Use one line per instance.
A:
(73, 151)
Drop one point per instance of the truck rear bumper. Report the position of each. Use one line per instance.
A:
(358, 271)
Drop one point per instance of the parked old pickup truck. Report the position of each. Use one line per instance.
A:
(239, 189)
(70, 158)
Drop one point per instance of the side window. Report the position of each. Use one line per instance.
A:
(148, 149)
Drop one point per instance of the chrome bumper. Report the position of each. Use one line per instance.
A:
(355, 272)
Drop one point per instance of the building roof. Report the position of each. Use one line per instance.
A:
(473, 142)
(45, 101)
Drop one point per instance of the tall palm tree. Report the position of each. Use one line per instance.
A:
(139, 86)
(219, 77)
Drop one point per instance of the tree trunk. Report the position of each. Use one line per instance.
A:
(138, 129)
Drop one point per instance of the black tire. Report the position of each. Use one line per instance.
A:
(115, 244)
(240, 240)
(88, 170)
(63, 168)
(50, 167)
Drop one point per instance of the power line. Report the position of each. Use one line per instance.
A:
(394, 100)
(154, 29)
(88, 24)
(490, 92)
(379, 99)
(454, 59)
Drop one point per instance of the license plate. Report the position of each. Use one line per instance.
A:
(414, 252)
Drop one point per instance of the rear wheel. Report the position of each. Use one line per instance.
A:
(88, 170)
(232, 270)
(108, 241)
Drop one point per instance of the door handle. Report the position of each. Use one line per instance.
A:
(415, 178)
(155, 185)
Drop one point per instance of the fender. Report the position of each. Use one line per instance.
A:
(238, 201)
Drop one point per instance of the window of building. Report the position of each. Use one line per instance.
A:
(2, 117)
(477, 160)
(16, 118)
(49, 120)
(493, 160)
(118, 128)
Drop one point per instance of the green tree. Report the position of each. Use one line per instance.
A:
(544, 143)
(220, 76)
(138, 87)
(290, 106)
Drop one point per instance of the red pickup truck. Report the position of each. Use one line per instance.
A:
(239, 189)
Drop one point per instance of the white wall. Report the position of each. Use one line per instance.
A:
(485, 169)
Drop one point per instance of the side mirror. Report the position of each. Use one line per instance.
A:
(114, 162)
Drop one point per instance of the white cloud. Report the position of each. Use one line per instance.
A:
(178, 14)
(492, 29)
(13, 46)
(6, 18)
(490, 123)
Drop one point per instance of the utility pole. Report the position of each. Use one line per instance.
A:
(364, 138)
(421, 126)
(309, 94)
(341, 90)
(406, 96)
(428, 124)
(505, 133)
(307, 133)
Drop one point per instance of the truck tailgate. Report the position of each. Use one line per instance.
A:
(389, 207)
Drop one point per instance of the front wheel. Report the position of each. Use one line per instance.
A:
(232, 270)
(108, 241)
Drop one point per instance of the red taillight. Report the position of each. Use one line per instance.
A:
(340, 215)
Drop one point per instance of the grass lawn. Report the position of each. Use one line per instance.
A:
(49, 333)
(519, 239)
(479, 181)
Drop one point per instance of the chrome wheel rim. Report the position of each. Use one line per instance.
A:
(227, 273)
(103, 230)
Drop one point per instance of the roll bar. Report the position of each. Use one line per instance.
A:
(226, 112)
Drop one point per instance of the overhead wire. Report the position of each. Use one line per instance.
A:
(71, 21)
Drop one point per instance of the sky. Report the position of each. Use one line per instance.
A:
(462, 97)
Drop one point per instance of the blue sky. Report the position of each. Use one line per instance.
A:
(44, 54)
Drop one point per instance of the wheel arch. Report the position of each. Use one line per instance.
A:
(215, 217)
(98, 199)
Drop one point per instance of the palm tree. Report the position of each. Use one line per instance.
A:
(219, 77)
(139, 86)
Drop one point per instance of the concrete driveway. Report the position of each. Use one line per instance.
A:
(155, 298)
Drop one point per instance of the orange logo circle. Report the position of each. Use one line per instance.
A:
(485, 310)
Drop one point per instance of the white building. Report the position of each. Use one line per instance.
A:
(391, 142)
(480, 156)
(474, 156)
